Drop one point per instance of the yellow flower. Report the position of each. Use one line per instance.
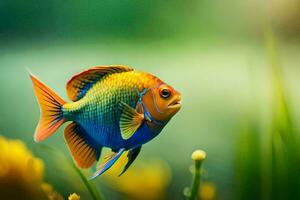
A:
(198, 155)
(20, 171)
(143, 180)
(207, 191)
(17, 162)
(74, 196)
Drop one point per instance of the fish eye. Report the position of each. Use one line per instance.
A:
(165, 93)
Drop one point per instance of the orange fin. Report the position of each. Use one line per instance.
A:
(79, 84)
(51, 110)
(83, 149)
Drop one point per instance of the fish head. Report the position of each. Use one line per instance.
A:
(162, 101)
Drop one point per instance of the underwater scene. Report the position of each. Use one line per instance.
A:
(150, 100)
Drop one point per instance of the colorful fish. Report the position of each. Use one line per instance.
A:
(112, 106)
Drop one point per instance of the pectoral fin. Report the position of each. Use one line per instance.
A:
(130, 120)
(107, 164)
(132, 154)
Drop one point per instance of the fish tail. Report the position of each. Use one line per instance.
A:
(51, 104)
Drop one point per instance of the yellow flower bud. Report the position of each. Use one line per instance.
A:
(198, 155)
(74, 196)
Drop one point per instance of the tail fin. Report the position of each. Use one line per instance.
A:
(51, 110)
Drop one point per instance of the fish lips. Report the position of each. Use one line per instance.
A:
(176, 103)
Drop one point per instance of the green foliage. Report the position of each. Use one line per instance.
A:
(269, 169)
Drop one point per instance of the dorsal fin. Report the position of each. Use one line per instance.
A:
(79, 84)
(83, 149)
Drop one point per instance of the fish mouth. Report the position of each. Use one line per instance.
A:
(175, 104)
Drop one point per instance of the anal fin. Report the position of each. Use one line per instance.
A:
(107, 164)
(83, 149)
(132, 154)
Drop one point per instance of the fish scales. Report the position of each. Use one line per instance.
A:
(98, 111)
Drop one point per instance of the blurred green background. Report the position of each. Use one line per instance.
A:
(239, 84)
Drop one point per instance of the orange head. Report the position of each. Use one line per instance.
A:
(162, 101)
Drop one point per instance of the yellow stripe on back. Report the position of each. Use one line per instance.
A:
(79, 84)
